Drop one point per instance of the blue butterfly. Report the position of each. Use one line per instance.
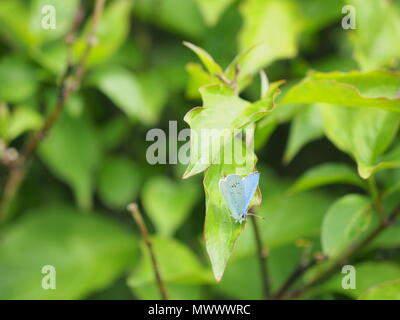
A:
(238, 193)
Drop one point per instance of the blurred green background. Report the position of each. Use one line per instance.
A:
(70, 211)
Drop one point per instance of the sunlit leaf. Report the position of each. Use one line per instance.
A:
(221, 114)
(23, 118)
(374, 89)
(325, 174)
(271, 25)
(377, 24)
(111, 32)
(130, 93)
(212, 9)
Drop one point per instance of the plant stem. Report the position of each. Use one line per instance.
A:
(18, 169)
(296, 274)
(133, 208)
(349, 253)
(262, 257)
(376, 196)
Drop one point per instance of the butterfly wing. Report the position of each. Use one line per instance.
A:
(233, 191)
(250, 186)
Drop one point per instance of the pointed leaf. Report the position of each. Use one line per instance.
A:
(260, 28)
(374, 89)
(305, 127)
(220, 230)
(222, 114)
(325, 174)
(347, 220)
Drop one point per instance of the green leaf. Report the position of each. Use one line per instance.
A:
(220, 229)
(177, 16)
(179, 268)
(346, 221)
(217, 121)
(112, 30)
(212, 10)
(305, 127)
(129, 93)
(384, 291)
(299, 216)
(168, 203)
(389, 160)
(119, 182)
(23, 118)
(325, 174)
(370, 134)
(88, 252)
(114, 132)
(65, 12)
(208, 61)
(377, 24)
(318, 14)
(262, 19)
(198, 78)
(374, 89)
(14, 25)
(71, 152)
(281, 262)
(367, 274)
(18, 78)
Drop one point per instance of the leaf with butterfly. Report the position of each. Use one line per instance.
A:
(230, 182)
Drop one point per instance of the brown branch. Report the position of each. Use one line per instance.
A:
(66, 88)
(348, 254)
(262, 257)
(133, 208)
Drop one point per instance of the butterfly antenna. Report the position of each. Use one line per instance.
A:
(254, 215)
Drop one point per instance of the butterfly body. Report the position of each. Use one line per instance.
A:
(238, 193)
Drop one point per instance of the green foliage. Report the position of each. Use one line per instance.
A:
(119, 181)
(72, 153)
(325, 174)
(346, 221)
(342, 94)
(73, 243)
(385, 291)
(374, 89)
(171, 208)
(23, 118)
(262, 19)
(179, 268)
(368, 274)
(374, 46)
(17, 73)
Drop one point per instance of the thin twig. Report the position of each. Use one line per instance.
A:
(133, 208)
(351, 250)
(262, 257)
(296, 274)
(65, 89)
